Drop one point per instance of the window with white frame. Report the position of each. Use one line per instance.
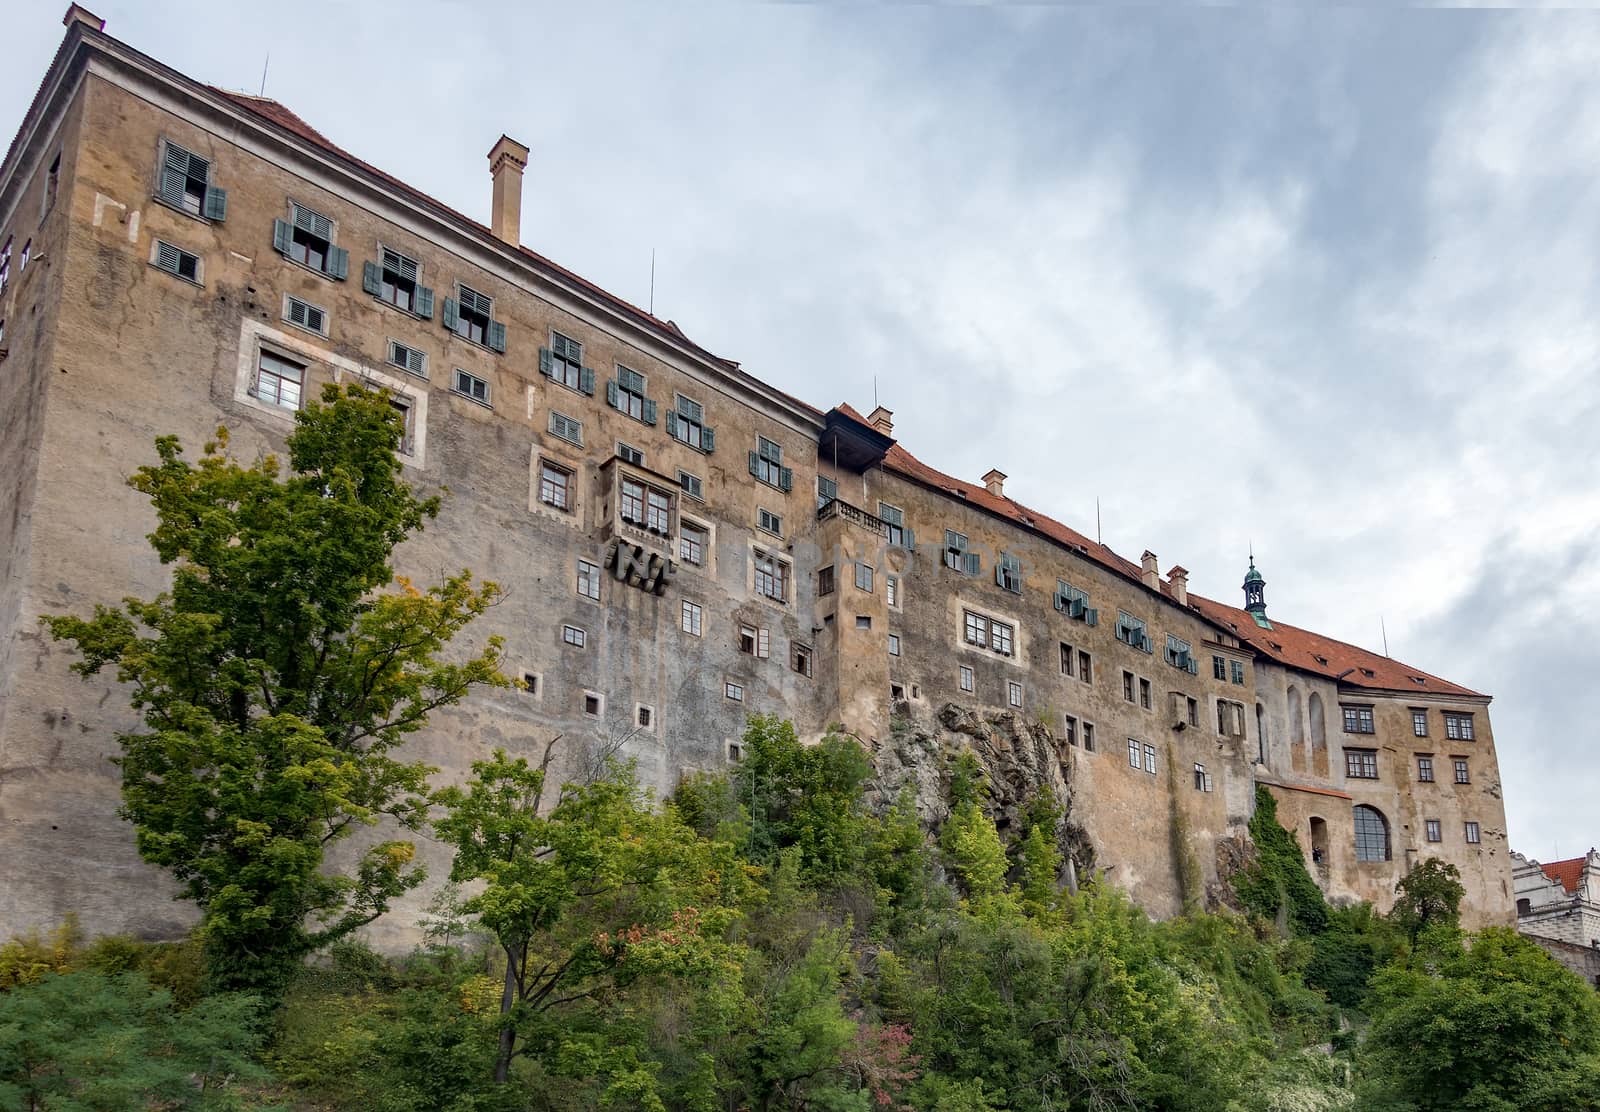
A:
(1150, 758)
(985, 632)
(891, 589)
(408, 359)
(279, 380)
(555, 485)
(769, 522)
(755, 641)
(627, 453)
(566, 428)
(966, 678)
(575, 636)
(692, 540)
(1014, 693)
(303, 314)
(469, 385)
(588, 579)
(733, 691)
(1134, 753)
(894, 644)
(1473, 836)
(691, 618)
(691, 485)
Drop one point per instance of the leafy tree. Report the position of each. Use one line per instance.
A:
(88, 1042)
(275, 685)
(1276, 885)
(1429, 896)
(1496, 1027)
(807, 797)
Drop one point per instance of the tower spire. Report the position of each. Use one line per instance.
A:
(1255, 590)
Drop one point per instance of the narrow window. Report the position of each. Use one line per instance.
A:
(966, 679)
(1069, 730)
(1419, 723)
(279, 380)
(1473, 837)
(747, 640)
(1067, 659)
(1008, 573)
(891, 589)
(52, 183)
(1144, 694)
(1085, 667)
(1238, 672)
(1134, 753)
(1014, 693)
(1219, 668)
(691, 618)
(555, 485)
(735, 750)
(5, 265)
(574, 636)
(1127, 686)
(864, 577)
(1000, 637)
(1150, 758)
(1434, 832)
(1194, 712)
(894, 644)
(825, 581)
(1088, 737)
(1199, 777)
(1425, 769)
(588, 579)
(1461, 770)
(470, 386)
(800, 658)
(645, 716)
(406, 443)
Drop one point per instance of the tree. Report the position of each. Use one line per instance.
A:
(275, 685)
(1428, 896)
(1499, 1026)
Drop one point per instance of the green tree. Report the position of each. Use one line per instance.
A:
(275, 684)
(1276, 885)
(1429, 896)
(1496, 1027)
(87, 1042)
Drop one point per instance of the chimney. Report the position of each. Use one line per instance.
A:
(1151, 574)
(78, 14)
(883, 420)
(506, 162)
(1178, 580)
(995, 483)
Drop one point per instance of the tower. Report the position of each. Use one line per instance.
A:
(1255, 592)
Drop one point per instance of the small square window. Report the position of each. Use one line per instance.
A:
(1014, 693)
(574, 636)
(894, 644)
(593, 704)
(735, 752)
(863, 621)
(645, 717)
(588, 579)
(864, 577)
(531, 684)
(690, 485)
(470, 386)
(966, 679)
(733, 691)
(691, 618)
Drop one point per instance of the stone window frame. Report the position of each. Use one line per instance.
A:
(757, 550)
(599, 698)
(645, 717)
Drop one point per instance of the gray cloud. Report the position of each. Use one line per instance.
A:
(1320, 280)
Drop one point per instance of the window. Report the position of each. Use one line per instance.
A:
(627, 453)
(1150, 758)
(692, 540)
(5, 265)
(1131, 631)
(470, 386)
(1085, 667)
(1525, 907)
(863, 621)
(1014, 693)
(574, 636)
(588, 579)
(686, 423)
(755, 641)
(769, 522)
(562, 362)
(470, 315)
(864, 577)
(303, 314)
(1144, 693)
(1202, 778)
(956, 555)
(626, 393)
(1458, 727)
(408, 359)
(185, 184)
(891, 589)
(52, 183)
(1473, 837)
(735, 750)
(1372, 834)
(1068, 660)
(593, 704)
(645, 506)
(279, 380)
(175, 260)
(691, 618)
(986, 632)
(1434, 834)
(555, 485)
(1419, 723)
(1219, 668)
(308, 240)
(1361, 764)
(1230, 718)
(894, 644)
(772, 576)
(1134, 753)
(27, 253)
(1088, 737)
(1193, 711)
(393, 280)
(894, 521)
(1358, 720)
(1008, 573)
(1461, 770)
(1178, 655)
(406, 444)
(567, 428)
(733, 691)
(645, 716)
(530, 684)
(1238, 672)
(800, 658)
(825, 581)
(1127, 686)
(1069, 730)
(966, 678)
(1425, 769)
(690, 485)
(827, 490)
(766, 464)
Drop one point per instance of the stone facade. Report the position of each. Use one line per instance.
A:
(1558, 906)
(716, 546)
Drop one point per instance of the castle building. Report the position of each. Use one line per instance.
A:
(682, 544)
(1558, 906)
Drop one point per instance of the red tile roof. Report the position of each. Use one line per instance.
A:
(1286, 644)
(1568, 872)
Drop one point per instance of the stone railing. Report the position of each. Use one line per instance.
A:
(836, 508)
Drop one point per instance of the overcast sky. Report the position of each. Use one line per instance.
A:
(1321, 282)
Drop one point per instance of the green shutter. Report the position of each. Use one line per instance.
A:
(422, 303)
(280, 236)
(971, 563)
(171, 188)
(546, 362)
(497, 336)
(371, 278)
(452, 319)
(216, 204)
(166, 257)
(586, 380)
(612, 393)
(708, 439)
(672, 424)
(910, 540)
(649, 412)
(1091, 616)
(786, 478)
(338, 263)
(755, 463)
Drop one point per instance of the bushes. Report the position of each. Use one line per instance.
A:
(1276, 885)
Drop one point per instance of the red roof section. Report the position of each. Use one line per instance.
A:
(1286, 644)
(1568, 872)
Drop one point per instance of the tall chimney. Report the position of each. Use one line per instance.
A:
(995, 483)
(1178, 580)
(506, 162)
(1151, 574)
(883, 420)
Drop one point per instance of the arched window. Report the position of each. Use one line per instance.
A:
(1524, 907)
(1372, 834)
(1297, 720)
(1319, 840)
(1319, 729)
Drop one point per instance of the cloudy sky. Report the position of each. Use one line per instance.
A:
(1324, 282)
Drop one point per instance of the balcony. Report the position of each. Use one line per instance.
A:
(836, 508)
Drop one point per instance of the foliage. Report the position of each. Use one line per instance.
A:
(1429, 896)
(275, 686)
(1276, 885)
(88, 1041)
(1495, 1026)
